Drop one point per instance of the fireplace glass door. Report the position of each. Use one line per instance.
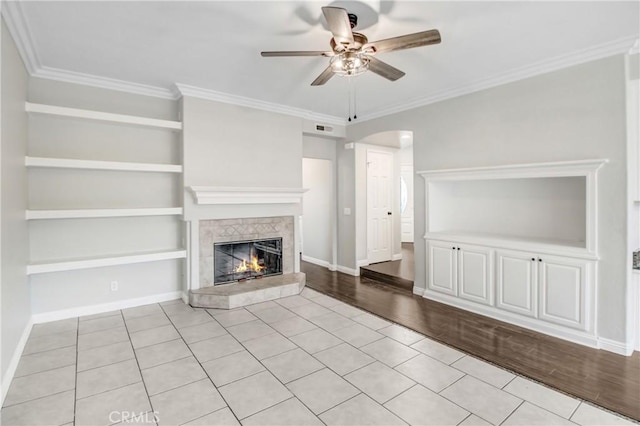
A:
(245, 260)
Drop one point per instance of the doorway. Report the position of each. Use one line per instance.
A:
(318, 212)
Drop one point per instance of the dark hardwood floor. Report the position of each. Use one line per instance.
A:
(396, 272)
(604, 378)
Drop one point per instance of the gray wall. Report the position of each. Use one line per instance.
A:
(234, 146)
(571, 114)
(16, 303)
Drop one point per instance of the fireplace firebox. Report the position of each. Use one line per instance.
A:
(245, 260)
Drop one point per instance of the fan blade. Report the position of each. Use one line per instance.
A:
(297, 53)
(323, 77)
(408, 41)
(383, 69)
(339, 25)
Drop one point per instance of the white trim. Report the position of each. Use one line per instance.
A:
(418, 290)
(19, 30)
(105, 307)
(614, 346)
(576, 336)
(15, 359)
(348, 271)
(98, 262)
(363, 262)
(228, 98)
(635, 49)
(615, 47)
(318, 262)
(231, 195)
(102, 116)
(512, 171)
(74, 77)
(397, 256)
(69, 163)
(95, 213)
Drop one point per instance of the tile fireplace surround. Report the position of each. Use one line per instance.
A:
(227, 230)
(233, 295)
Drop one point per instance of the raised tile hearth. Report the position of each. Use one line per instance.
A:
(230, 296)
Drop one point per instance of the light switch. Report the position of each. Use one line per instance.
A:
(347, 211)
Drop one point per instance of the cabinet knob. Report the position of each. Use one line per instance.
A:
(533, 259)
(453, 248)
(539, 260)
(458, 248)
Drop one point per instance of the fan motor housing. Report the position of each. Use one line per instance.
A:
(359, 40)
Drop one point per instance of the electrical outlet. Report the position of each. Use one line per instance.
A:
(114, 285)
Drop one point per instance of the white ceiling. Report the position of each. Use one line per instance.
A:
(216, 45)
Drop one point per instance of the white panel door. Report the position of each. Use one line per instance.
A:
(563, 292)
(475, 275)
(517, 281)
(442, 261)
(379, 208)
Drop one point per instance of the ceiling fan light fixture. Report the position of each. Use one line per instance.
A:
(349, 64)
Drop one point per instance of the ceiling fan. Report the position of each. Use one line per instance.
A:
(351, 52)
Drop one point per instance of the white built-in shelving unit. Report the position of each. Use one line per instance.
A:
(518, 243)
(116, 213)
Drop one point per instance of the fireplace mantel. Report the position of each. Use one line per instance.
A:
(230, 195)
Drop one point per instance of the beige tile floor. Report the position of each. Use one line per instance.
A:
(303, 360)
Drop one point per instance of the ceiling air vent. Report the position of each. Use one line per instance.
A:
(323, 128)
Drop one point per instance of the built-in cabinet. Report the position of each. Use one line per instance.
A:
(551, 288)
(461, 270)
(517, 243)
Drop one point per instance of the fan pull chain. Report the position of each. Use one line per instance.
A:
(355, 97)
(349, 96)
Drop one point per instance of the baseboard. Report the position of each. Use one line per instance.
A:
(614, 346)
(333, 267)
(15, 359)
(349, 271)
(575, 336)
(316, 261)
(105, 307)
(364, 262)
(397, 256)
(418, 290)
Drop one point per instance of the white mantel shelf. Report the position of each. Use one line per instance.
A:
(213, 195)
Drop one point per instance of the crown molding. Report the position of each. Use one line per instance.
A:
(212, 95)
(14, 17)
(621, 46)
(19, 30)
(103, 82)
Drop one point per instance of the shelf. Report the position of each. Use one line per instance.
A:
(102, 116)
(97, 262)
(546, 245)
(67, 163)
(96, 213)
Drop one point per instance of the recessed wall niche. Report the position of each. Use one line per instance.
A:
(545, 209)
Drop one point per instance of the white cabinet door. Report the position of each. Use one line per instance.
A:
(442, 267)
(517, 281)
(475, 274)
(563, 291)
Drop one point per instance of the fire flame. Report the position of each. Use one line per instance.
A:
(253, 265)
